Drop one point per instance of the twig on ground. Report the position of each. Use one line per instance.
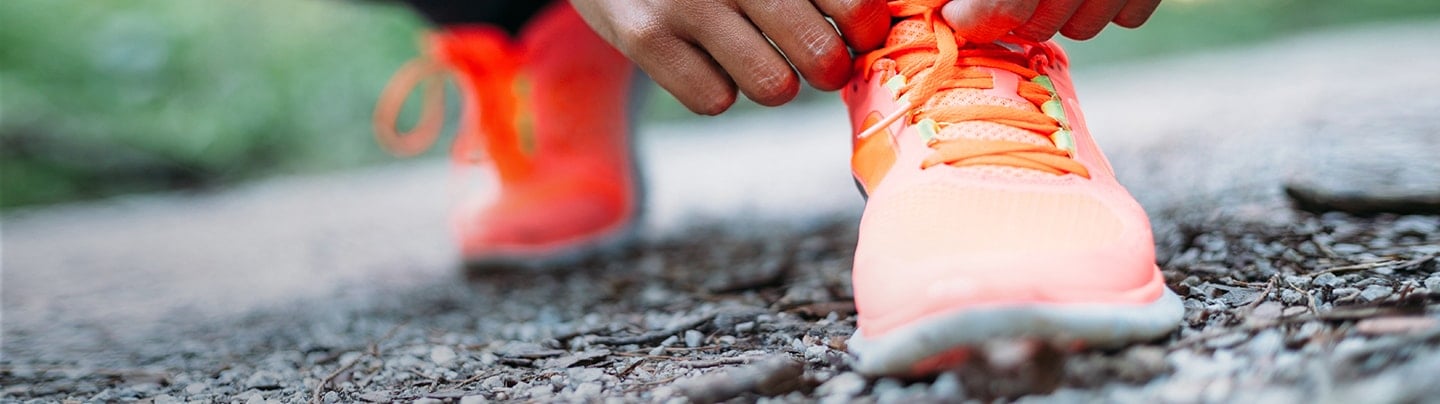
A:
(1360, 267)
(653, 336)
(320, 388)
(710, 363)
(372, 350)
(1264, 295)
(630, 368)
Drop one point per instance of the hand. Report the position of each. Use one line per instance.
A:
(702, 50)
(1039, 20)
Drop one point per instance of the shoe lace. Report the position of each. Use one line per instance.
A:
(952, 64)
(494, 77)
(415, 73)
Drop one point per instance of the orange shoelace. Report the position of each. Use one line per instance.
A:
(486, 74)
(432, 109)
(950, 67)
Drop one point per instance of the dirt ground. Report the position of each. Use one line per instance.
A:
(1270, 209)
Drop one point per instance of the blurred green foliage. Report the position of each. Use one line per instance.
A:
(100, 98)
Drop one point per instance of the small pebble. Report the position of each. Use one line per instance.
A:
(1433, 283)
(747, 326)
(428, 400)
(263, 379)
(848, 384)
(1342, 293)
(1299, 281)
(442, 355)
(947, 386)
(196, 388)
(1376, 292)
(1328, 279)
(1291, 296)
(477, 399)
(588, 390)
(693, 338)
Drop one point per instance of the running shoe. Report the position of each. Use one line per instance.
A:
(542, 165)
(991, 215)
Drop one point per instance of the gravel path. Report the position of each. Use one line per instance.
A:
(339, 289)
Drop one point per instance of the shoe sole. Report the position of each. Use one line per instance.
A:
(942, 341)
(609, 244)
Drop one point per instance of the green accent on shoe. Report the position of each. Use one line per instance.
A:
(1056, 110)
(895, 83)
(1045, 81)
(1064, 140)
(926, 127)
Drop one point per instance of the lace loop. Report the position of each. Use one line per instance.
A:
(418, 72)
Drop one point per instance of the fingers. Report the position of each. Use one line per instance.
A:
(808, 41)
(987, 20)
(864, 23)
(1040, 20)
(756, 67)
(1049, 16)
(677, 65)
(1136, 12)
(1091, 18)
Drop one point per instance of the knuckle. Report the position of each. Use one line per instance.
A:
(821, 43)
(649, 34)
(772, 87)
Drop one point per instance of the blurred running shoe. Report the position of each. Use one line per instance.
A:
(991, 213)
(542, 162)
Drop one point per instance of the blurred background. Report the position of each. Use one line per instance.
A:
(125, 96)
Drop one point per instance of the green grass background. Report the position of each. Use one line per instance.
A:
(99, 98)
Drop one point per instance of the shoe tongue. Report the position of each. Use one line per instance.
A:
(915, 29)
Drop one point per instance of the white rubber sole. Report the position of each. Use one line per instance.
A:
(1096, 325)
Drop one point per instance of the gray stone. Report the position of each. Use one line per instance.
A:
(263, 379)
(541, 390)
(442, 355)
(947, 387)
(1433, 283)
(473, 400)
(1341, 293)
(1376, 292)
(589, 390)
(693, 338)
(428, 400)
(196, 388)
(745, 327)
(848, 384)
(1328, 280)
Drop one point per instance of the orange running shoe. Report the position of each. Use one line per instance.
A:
(542, 163)
(991, 214)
